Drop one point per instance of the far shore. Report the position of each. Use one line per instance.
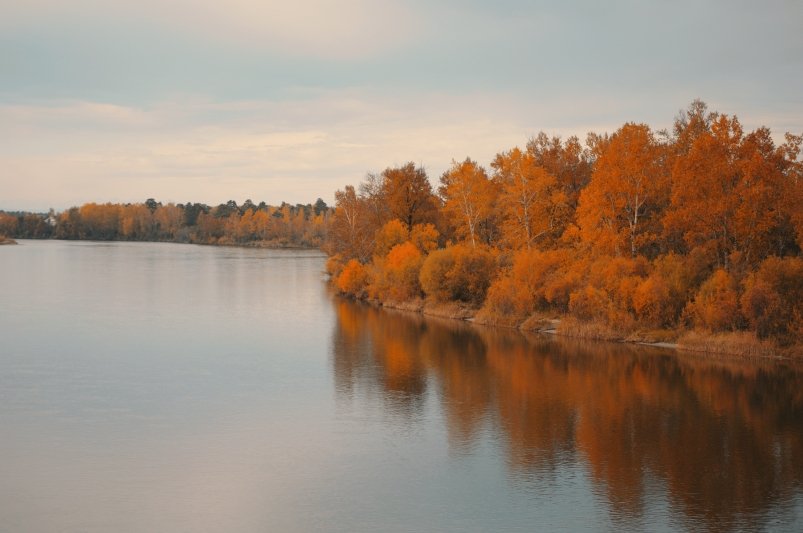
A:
(270, 245)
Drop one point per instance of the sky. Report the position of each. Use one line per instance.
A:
(207, 101)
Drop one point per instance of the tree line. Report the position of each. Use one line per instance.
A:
(247, 224)
(638, 233)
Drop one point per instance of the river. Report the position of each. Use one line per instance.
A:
(167, 387)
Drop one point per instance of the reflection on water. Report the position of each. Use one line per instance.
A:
(721, 442)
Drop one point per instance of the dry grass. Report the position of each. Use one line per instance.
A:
(539, 322)
(416, 305)
(454, 310)
(653, 336)
(742, 343)
(571, 327)
(488, 318)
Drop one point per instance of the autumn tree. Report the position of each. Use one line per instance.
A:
(408, 195)
(167, 219)
(136, 222)
(729, 193)
(567, 160)
(8, 225)
(100, 221)
(532, 206)
(372, 189)
(792, 193)
(468, 197)
(620, 209)
(349, 236)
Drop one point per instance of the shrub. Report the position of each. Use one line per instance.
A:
(397, 274)
(589, 303)
(716, 304)
(458, 273)
(773, 298)
(506, 303)
(537, 280)
(652, 302)
(353, 279)
(435, 273)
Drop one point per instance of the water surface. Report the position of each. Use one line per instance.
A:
(164, 387)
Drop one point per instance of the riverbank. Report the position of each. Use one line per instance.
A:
(740, 344)
(6, 240)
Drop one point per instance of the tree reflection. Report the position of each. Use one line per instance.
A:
(723, 438)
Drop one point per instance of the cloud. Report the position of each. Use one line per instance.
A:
(329, 29)
(293, 149)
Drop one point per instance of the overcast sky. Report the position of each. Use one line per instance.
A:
(209, 100)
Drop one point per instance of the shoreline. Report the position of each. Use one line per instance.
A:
(689, 342)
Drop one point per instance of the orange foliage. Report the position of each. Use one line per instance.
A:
(730, 193)
(408, 195)
(650, 301)
(716, 304)
(353, 279)
(773, 299)
(619, 210)
(537, 280)
(532, 206)
(425, 237)
(392, 233)
(469, 197)
(626, 231)
(8, 224)
(397, 274)
(100, 221)
(458, 273)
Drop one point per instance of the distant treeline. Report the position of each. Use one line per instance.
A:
(229, 223)
(653, 235)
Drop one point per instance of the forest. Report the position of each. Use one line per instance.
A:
(226, 224)
(691, 236)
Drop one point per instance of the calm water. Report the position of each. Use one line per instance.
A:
(161, 387)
